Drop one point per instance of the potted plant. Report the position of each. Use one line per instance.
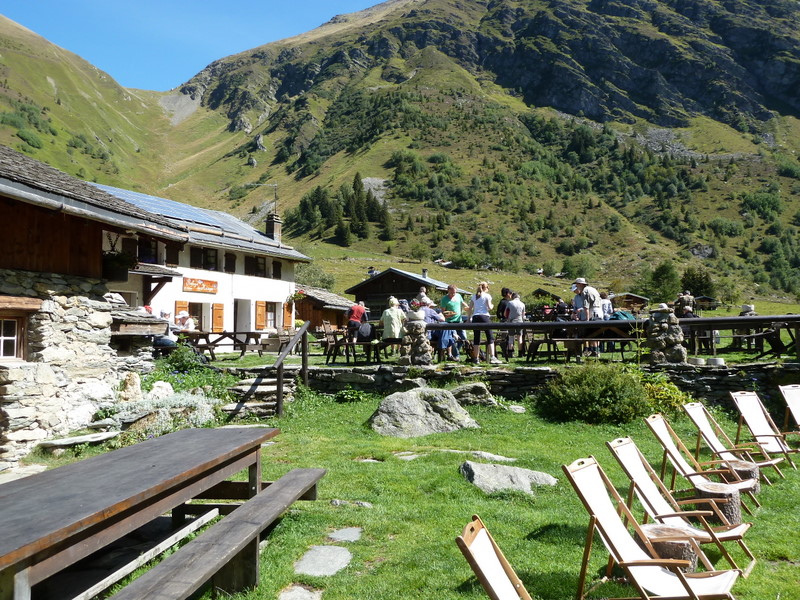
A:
(116, 263)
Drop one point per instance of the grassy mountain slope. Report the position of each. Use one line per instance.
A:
(592, 136)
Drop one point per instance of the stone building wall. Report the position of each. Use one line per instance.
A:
(71, 368)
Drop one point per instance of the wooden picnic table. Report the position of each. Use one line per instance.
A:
(243, 341)
(55, 518)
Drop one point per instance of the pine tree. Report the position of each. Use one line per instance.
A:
(343, 235)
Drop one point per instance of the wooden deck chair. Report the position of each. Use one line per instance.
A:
(653, 577)
(684, 463)
(721, 445)
(763, 429)
(663, 509)
(489, 564)
(791, 394)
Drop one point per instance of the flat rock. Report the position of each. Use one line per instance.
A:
(494, 478)
(348, 534)
(103, 424)
(298, 592)
(323, 561)
(79, 439)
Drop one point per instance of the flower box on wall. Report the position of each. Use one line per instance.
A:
(116, 265)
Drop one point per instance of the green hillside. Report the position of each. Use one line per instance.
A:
(598, 138)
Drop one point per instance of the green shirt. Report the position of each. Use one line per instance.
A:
(455, 304)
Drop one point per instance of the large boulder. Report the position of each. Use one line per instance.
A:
(493, 478)
(474, 393)
(419, 412)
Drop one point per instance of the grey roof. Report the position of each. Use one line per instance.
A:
(28, 180)
(208, 227)
(151, 269)
(328, 299)
(426, 281)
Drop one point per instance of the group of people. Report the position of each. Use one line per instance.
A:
(588, 304)
(452, 308)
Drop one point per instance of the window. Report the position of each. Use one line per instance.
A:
(210, 259)
(230, 262)
(277, 269)
(255, 266)
(11, 337)
(203, 258)
(148, 251)
(272, 310)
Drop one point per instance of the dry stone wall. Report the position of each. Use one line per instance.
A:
(708, 384)
(70, 369)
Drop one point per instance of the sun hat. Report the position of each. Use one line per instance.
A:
(183, 313)
(580, 280)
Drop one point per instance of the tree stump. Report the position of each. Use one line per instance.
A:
(745, 470)
(670, 548)
(731, 508)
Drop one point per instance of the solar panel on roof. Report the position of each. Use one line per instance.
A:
(162, 206)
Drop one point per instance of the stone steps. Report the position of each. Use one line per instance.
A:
(258, 397)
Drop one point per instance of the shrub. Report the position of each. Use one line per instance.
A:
(185, 370)
(663, 396)
(350, 395)
(30, 138)
(594, 393)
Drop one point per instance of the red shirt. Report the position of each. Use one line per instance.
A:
(356, 312)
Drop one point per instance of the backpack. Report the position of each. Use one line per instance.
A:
(366, 333)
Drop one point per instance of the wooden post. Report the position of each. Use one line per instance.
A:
(241, 572)
(304, 348)
(279, 392)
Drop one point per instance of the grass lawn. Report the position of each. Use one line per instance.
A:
(419, 506)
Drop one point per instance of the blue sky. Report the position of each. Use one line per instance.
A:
(160, 44)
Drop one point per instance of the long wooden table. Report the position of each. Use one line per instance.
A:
(55, 518)
(238, 340)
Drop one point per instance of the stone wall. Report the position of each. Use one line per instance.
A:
(707, 384)
(71, 368)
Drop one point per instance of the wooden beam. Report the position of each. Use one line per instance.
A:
(150, 291)
(20, 303)
(145, 557)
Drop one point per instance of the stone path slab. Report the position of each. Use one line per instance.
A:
(323, 561)
(348, 534)
(297, 592)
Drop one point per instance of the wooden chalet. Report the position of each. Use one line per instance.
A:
(317, 305)
(376, 290)
(630, 301)
(60, 222)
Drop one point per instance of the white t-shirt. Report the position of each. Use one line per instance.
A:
(481, 305)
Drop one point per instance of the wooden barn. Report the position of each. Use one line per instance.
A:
(317, 305)
(376, 290)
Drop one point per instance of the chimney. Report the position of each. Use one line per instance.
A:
(425, 273)
(274, 226)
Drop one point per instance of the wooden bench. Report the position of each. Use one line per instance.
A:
(227, 553)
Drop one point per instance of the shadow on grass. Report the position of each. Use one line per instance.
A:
(558, 533)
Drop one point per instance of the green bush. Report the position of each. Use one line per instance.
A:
(594, 393)
(30, 138)
(185, 370)
(663, 396)
(351, 395)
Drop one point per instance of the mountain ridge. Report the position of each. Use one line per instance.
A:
(658, 124)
